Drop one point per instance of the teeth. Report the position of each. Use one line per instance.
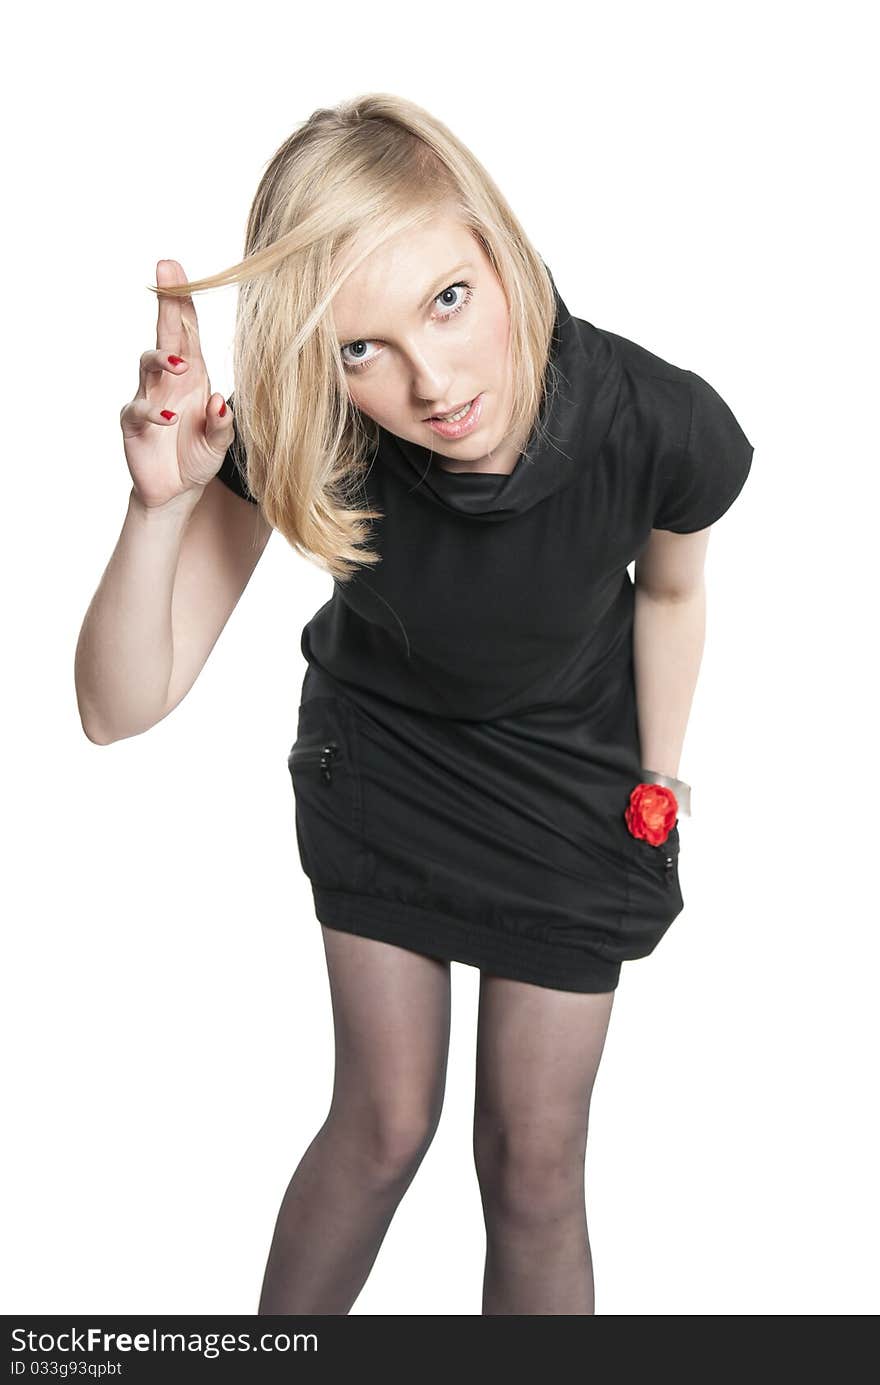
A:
(453, 418)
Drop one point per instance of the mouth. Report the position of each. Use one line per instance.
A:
(449, 417)
(464, 419)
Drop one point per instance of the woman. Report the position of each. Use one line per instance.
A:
(492, 712)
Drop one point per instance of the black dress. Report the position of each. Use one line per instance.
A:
(467, 737)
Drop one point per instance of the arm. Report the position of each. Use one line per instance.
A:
(668, 638)
(700, 478)
(173, 580)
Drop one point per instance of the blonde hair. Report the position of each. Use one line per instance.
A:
(348, 179)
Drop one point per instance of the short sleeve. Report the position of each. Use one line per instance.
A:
(702, 481)
(232, 468)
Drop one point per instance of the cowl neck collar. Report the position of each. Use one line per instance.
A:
(581, 387)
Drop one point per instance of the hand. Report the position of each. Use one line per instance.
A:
(167, 457)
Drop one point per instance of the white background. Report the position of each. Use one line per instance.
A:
(697, 178)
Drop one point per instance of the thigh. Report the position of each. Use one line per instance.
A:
(391, 1018)
(538, 1052)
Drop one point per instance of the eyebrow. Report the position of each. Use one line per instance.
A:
(436, 287)
(443, 281)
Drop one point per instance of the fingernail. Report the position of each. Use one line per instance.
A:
(168, 413)
(223, 408)
(176, 360)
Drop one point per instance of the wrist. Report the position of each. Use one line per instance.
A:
(679, 787)
(179, 505)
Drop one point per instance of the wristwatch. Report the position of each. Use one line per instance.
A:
(681, 790)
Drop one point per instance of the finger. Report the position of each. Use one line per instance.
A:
(155, 363)
(177, 326)
(168, 329)
(219, 428)
(138, 413)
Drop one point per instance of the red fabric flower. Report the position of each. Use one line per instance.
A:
(652, 812)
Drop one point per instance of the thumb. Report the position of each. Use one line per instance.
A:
(219, 424)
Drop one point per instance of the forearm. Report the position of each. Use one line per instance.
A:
(125, 650)
(668, 639)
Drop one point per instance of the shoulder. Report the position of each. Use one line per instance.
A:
(233, 468)
(657, 393)
(683, 405)
(644, 365)
(679, 436)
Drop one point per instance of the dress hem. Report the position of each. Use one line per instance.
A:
(452, 939)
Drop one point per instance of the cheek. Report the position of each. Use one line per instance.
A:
(495, 338)
(373, 402)
(360, 394)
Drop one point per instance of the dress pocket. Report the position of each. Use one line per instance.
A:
(653, 897)
(324, 770)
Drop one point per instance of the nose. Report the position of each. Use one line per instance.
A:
(438, 399)
(430, 382)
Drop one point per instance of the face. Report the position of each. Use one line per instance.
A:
(423, 329)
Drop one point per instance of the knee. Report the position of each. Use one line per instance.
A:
(392, 1139)
(528, 1174)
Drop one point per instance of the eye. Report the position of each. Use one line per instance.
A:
(354, 366)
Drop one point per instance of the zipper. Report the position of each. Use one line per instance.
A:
(668, 861)
(668, 865)
(664, 857)
(324, 754)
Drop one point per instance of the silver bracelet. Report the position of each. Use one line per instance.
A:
(681, 790)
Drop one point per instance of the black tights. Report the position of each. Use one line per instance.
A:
(538, 1051)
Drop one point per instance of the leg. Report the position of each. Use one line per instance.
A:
(538, 1052)
(391, 1011)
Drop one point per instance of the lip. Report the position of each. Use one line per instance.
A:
(455, 408)
(464, 425)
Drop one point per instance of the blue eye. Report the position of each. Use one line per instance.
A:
(353, 366)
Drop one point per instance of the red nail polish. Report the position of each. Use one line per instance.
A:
(168, 413)
(176, 360)
(223, 408)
